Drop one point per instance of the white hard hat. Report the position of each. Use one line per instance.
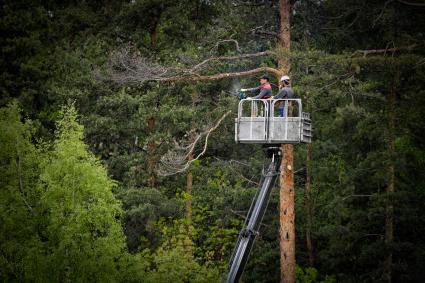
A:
(284, 78)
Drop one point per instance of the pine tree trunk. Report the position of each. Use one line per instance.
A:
(287, 193)
(287, 216)
(285, 31)
(151, 155)
(389, 209)
(153, 33)
(153, 29)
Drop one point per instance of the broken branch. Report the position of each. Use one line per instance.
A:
(127, 67)
(174, 162)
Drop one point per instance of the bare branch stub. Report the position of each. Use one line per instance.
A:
(176, 160)
(260, 31)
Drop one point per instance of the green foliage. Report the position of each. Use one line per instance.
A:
(60, 220)
(145, 207)
(59, 213)
(177, 265)
(310, 275)
(19, 171)
(84, 236)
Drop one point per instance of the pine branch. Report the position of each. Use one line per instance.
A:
(384, 51)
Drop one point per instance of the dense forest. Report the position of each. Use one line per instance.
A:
(118, 159)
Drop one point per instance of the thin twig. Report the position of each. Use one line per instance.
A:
(228, 40)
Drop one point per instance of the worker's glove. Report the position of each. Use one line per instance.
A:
(249, 98)
(243, 89)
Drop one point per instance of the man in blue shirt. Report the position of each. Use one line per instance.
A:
(285, 92)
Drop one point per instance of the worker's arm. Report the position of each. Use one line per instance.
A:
(281, 94)
(254, 89)
(284, 93)
(266, 92)
(260, 95)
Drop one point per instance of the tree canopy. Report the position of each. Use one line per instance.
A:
(118, 160)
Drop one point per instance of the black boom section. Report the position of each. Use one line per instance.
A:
(255, 216)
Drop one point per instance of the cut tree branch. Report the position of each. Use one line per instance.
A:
(125, 67)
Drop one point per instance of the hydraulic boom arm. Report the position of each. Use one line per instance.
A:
(254, 218)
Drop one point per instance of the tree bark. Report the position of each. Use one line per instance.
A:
(389, 208)
(287, 192)
(285, 32)
(287, 216)
(153, 32)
